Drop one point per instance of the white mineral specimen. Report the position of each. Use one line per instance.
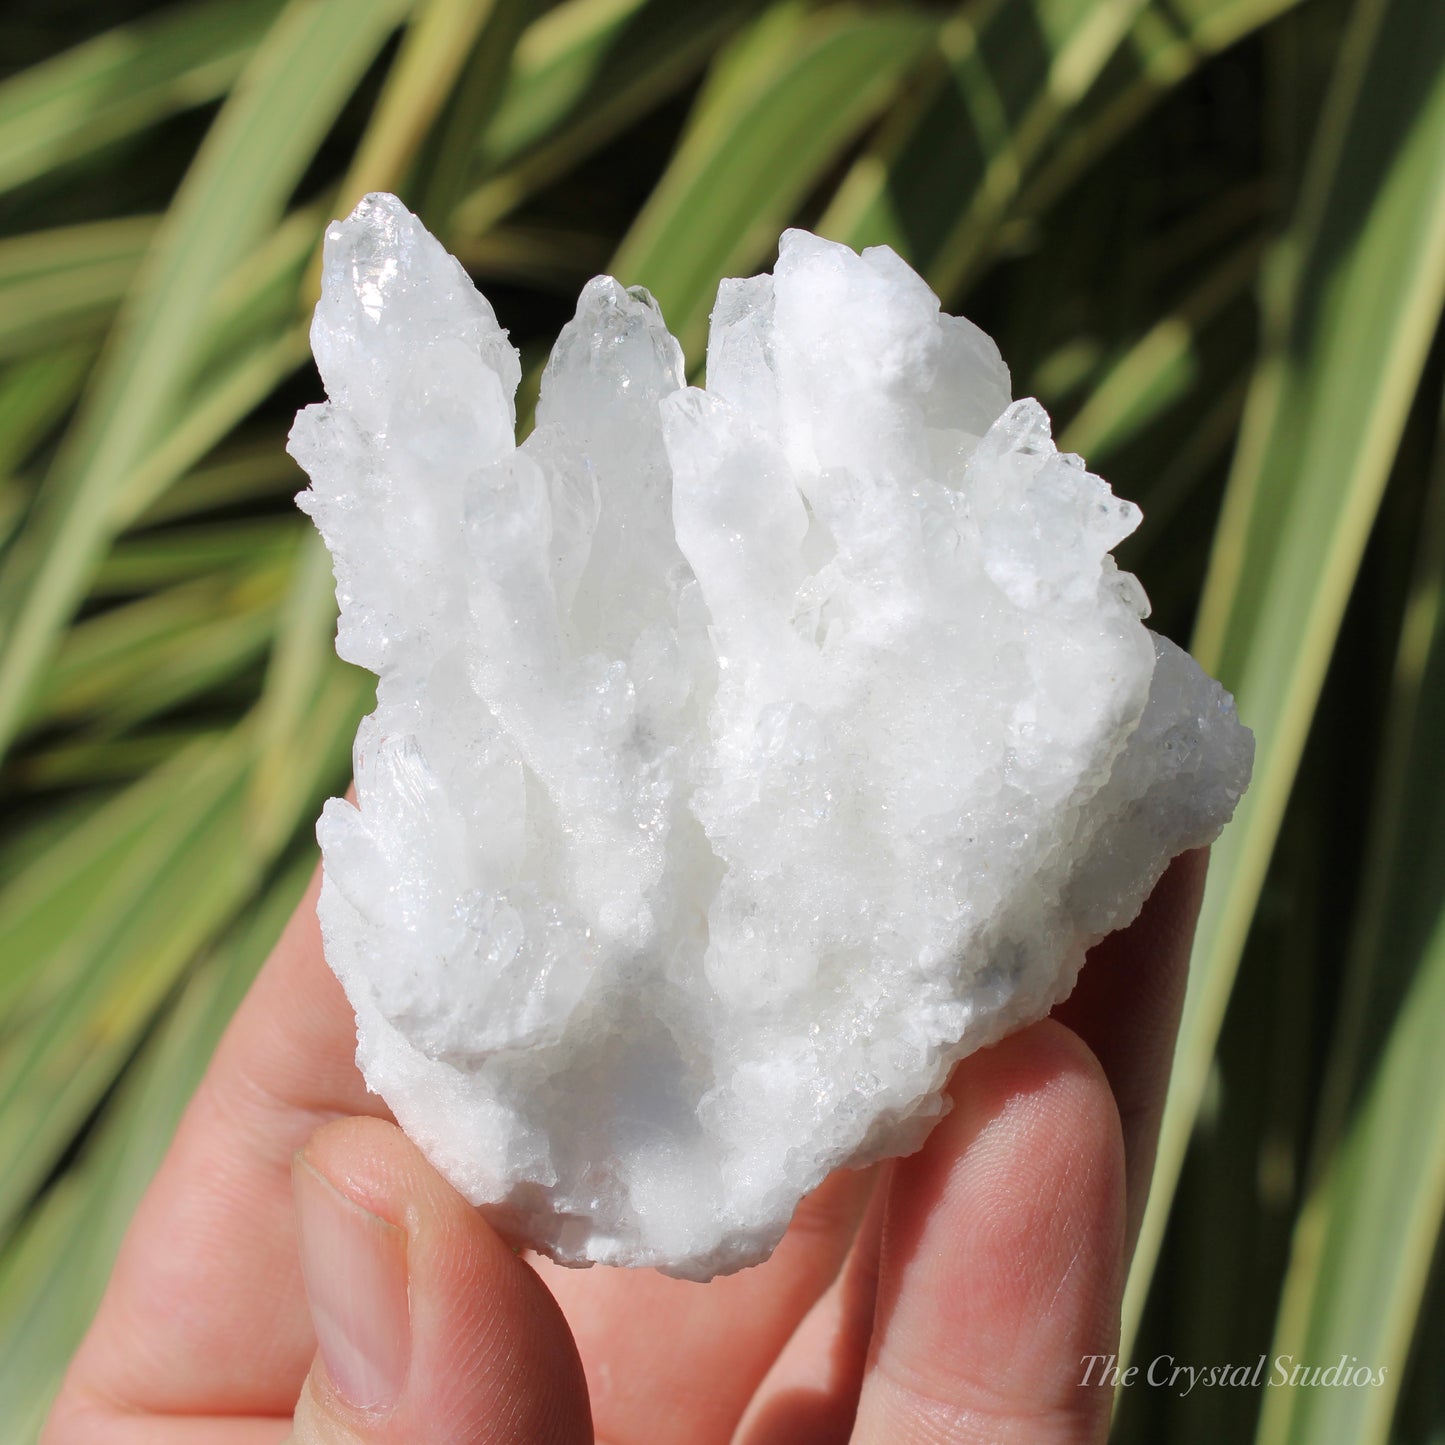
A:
(742, 758)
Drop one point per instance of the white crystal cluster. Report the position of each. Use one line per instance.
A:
(742, 758)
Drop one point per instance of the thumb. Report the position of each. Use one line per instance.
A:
(428, 1327)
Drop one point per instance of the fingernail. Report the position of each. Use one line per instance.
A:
(354, 1265)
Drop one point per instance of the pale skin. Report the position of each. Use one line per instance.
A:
(947, 1297)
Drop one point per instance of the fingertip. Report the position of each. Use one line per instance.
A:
(1002, 1253)
(486, 1353)
(377, 1166)
(1034, 1063)
(1026, 1169)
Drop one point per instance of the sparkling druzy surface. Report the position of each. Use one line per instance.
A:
(742, 758)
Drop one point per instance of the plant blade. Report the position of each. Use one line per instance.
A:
(252, 159)
(1352, 302)
(779, 106)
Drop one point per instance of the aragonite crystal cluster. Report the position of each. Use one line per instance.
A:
(742, 758)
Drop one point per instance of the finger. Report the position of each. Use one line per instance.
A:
(205, 1314)
(1002, 1260)
(428, 1326)
(668, 1360)
(1126, 1008)
(811, 1392)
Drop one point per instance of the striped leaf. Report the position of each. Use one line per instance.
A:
(257, 150)
(123, 81)
(580, 74)
(1352, 299)
(780, 105)
(1368, 1228)
(954, 155)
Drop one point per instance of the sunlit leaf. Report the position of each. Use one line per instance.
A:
(582, 72)
(259, 146)
(955, 153)
(122, 81)
(1353, 297)
(780, 104)
(1368, 1229)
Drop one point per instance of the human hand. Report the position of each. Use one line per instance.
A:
(950, 1296)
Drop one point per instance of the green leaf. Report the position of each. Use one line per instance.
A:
(1370, 1231)
(955, 154)
(1352, 300)
(437, 44)
(123, 81)
(555, 67)
(240, 472)
(1368, 1227)
(151, 561)
(779, 106)
(249, 378)
(444, 163)
(1160, 365)
(57, 860)
(115, 962)
(90, 868)
(254, 155)
(317, 760)
(34, 395)
(123, 923)
(253, 307)
(87, 762)
(1166, 44)
(245, 381)
(550, 257)
(580, 75)
(302, 659)
(135, 660)
(65, 283)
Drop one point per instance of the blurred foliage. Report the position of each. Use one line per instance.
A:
(1208, 234)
